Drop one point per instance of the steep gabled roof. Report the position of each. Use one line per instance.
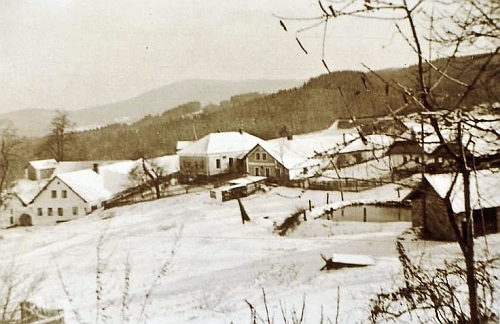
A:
(220, 143)
(94, 186)
(87, 184)
(483, 186)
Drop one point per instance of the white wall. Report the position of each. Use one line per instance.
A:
(45, 201)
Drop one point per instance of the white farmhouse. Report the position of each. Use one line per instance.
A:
(67, 196)
(216, 153)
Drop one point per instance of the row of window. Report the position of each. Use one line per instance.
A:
(60, 211)
(258, 156)
(267, 172)
(64, 194)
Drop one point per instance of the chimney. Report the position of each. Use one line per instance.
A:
(95, 167)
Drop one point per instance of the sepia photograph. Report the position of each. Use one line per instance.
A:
(249, 162)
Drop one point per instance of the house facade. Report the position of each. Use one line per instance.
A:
(260, 162)
(216, 153)
(430, 210)
(64, 198)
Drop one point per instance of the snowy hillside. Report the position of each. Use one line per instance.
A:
(217, 263)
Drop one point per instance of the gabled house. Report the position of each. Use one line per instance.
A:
(293, 158)
(70, 195)
(216, 153)
(429, 208)
(280, 163)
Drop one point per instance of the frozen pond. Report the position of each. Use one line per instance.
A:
(371, 213)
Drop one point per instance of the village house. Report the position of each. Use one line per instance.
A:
(216, 153)
(295, 158)
(429, 207)
(71, 195)
(67, 195)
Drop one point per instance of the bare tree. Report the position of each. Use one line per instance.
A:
(10, 144)
(58, 138)
(149, 174)
(448, 86)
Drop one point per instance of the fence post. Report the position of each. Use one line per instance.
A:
(327, 198)
(305, 217)
(310, 205)
(364, 214)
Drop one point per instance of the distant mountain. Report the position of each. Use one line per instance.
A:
(35, 122)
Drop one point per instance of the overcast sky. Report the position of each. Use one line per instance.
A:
(72, 54)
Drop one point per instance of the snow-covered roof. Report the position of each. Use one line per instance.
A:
(220, 143)
(26, 189)
(169, 163)
(483, 186)
(71, 166)
(246, 180)
(373, 169)
(373, 142)
(94, 186)
(480, 132)
(183, 144)
(88, 184)
(43, 164)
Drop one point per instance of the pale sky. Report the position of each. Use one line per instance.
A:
(72, 54)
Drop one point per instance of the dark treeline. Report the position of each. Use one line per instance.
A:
(312, 107)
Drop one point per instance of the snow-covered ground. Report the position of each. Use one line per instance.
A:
(217, 264)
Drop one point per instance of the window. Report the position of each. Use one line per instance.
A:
(64, 194)
(417, 160)
(257, 156)
(231, 162)
(75, 211)
(12, 220)
(40, 211)
(264, 156)
(268, 172)
(256, 171)
(278, 172)
(50, 212)
(217, 163)
(53, 194)
(60, 212)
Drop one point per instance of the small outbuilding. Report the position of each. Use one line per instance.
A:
(429, 207)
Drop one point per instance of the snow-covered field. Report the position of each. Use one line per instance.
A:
(217, 263)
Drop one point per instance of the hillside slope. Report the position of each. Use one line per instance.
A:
(35, 122)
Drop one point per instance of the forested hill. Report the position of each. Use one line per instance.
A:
(314, 106)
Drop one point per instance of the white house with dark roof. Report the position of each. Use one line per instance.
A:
(216, 153)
